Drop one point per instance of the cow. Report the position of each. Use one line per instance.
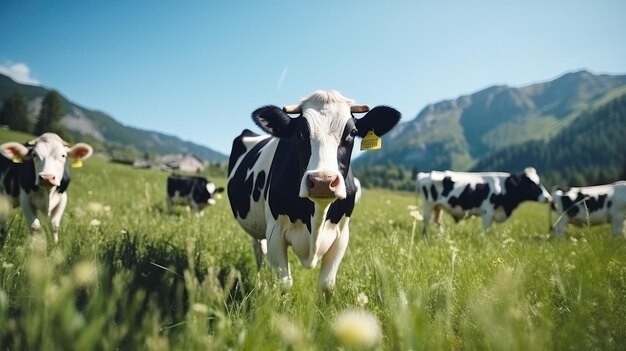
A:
(591, 205)
(492, 195)
(294, 187)
(195, 192)
(35, 176)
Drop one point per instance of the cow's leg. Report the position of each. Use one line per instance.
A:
(437, 219)
(331, 261)
(29, 213)
(617, 223)
(277, 254)
(428, 208)
(559, 227)
(260, 250)
(487, 218)
(55, 217)
(170, 206)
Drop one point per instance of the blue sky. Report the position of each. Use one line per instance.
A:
(196, 69)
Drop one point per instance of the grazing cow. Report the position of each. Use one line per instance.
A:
(591, 205)
(195, 192)
(493, 196)
(37, 177)
(295, 187)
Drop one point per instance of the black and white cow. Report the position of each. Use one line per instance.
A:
(35, 176)
(492, 195)
(591, 205)
(294, 187)
(195, 192)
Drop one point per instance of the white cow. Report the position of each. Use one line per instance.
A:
(591, 205)
(294, 187)
(491, 195)
(34, 175)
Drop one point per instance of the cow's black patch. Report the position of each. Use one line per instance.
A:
(425, 192)
(448, 185)
(470, 197)
(258, 186)
(239, 148)
(592, 204)
(517, 190)
(240, 183)
(433, 192)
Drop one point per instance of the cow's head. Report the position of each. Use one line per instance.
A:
(324, 133)
(207, 195)
(49, 153)
(529, 185)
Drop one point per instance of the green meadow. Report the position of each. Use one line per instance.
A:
(127, 275)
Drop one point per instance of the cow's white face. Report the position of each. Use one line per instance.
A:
(327, 135)
(544, 195)
(49, 155)
(324, 135)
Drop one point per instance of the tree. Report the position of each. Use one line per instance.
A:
(14, 113)
(50, 114)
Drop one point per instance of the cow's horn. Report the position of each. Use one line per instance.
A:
(32, 142)
(359, 108)
(293, 109)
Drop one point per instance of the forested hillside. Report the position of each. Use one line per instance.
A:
(591, 150)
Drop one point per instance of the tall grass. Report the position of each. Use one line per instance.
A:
(127, 275)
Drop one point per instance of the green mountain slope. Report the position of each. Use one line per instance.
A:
(86, 124)
(591, 150)
(455, 134)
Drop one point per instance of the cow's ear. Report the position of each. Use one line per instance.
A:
(273, 120)
(14, 151)
(380, 119)
(80, 151)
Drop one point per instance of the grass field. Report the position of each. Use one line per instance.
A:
(126, 275)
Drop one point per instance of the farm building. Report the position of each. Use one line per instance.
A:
(181, 162)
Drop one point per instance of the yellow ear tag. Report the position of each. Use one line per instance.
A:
(371, 141)
(17, 159)
(77, 163)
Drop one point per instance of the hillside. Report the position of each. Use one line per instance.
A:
(86, 124)
(591, 150)
(456, 134)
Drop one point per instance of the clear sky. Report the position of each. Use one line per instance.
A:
(196, 69)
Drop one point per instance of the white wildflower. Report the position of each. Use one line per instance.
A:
(94, 222)
(95, 207)
(416, 215)
(362, 299)
(357, 328)
(412, 207)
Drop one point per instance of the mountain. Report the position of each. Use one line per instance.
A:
(591, 150)
(456, 134)
(90, 125)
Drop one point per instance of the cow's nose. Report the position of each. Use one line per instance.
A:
(48, 179)
(322, 184)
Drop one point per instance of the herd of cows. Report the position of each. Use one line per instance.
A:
(294, 186)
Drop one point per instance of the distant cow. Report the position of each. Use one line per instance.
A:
(591, 205)
(295, 187)
(195, 192)
(493, 196)
(35, 176)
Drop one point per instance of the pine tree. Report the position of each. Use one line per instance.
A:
(14, 113)
(50, 114)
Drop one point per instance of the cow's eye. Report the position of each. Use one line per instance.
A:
(64, 156)
(353, 132)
